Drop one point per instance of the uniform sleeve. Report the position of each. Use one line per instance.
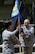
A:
(31, 30)
(13, 32)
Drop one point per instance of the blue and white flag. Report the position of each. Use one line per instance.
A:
(15, 11)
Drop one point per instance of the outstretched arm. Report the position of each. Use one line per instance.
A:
(13, 32)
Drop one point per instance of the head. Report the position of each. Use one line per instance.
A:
(9, 25)
(26, 22)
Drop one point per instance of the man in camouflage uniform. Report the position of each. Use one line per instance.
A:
(28, 37)
(9, 39)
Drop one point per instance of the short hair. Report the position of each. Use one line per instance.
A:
(7, 24)
(26, 20)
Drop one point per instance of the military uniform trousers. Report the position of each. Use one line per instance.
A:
(8, 49)
(27, 50)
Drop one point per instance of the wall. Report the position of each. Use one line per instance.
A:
(5, 11)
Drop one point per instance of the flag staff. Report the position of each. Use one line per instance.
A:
(16, 12)
(19, 34)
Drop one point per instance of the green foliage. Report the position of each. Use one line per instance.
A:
(27, 1)
(0, 0)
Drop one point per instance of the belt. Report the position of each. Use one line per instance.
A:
(5, 40)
